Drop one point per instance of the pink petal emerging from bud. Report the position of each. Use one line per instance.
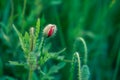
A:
(49, 30)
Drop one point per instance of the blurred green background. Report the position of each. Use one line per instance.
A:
(97, 21)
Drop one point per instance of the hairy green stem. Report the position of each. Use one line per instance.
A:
(40, 48)
(72, 68)
(31, 59)
(79, 65)
(30, 74)
(76, 57)
(85, 50)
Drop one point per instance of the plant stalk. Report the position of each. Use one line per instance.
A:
(85, 48)
(79, 65)
(30, 74)
(40, 48)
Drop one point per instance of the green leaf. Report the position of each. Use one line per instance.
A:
(26, 43)
(61, 51)
(16, 63)
(24, 40)
(20, 38)
(58, 53)
(37, 28)
(37, 31)
(55, 68)
(26, 36)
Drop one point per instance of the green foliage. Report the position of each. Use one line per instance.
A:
(16, 63)
(24, 41)
(82, 71)
(37, 31)
(35, 59)
(54, 69)
(52, 55)
(96, 21)
(80, 43)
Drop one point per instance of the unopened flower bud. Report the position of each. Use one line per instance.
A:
(32, 31)
(49, 30)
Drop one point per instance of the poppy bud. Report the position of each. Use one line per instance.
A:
(49, 30)
(32, 31)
